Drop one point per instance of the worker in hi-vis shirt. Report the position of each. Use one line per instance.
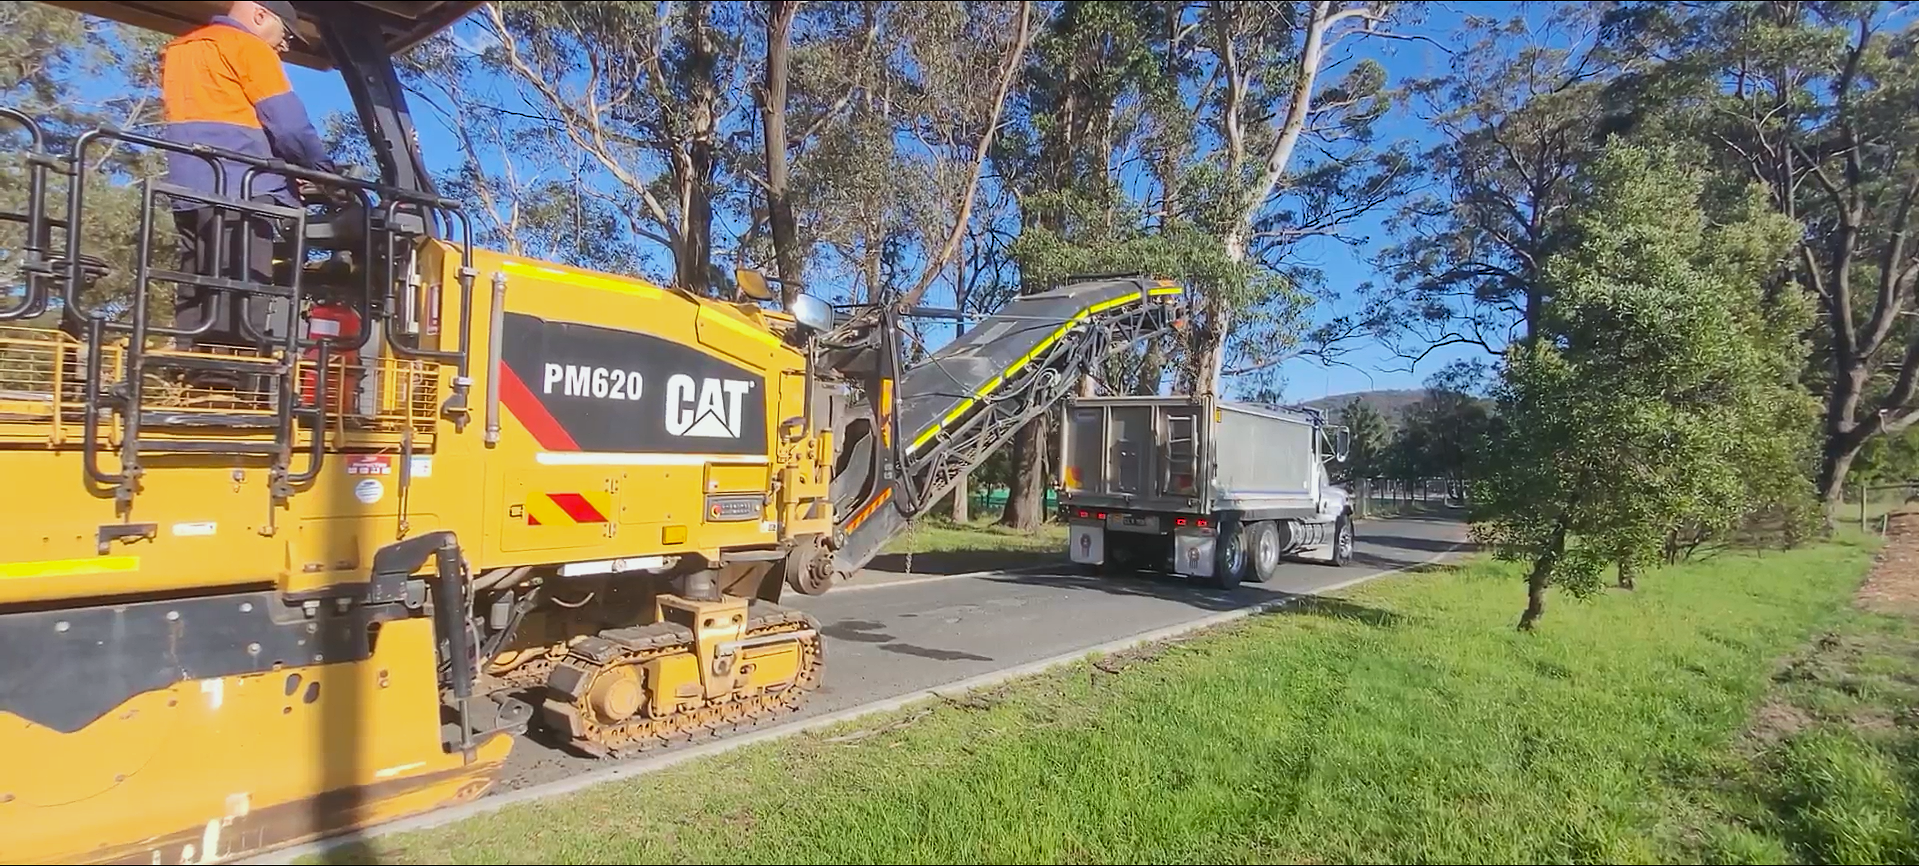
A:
(224, 86)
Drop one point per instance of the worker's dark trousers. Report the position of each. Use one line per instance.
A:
(193, 304)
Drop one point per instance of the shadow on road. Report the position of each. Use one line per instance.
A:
(945, 562)
(1174, 588)
(1152, 585)
(1407, 542)
(962, 561)
(868, 631)
(1375, 554)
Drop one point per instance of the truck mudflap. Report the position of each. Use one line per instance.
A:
(1193, 552)
(1087, 543)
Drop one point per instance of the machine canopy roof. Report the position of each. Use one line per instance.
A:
(402, 24)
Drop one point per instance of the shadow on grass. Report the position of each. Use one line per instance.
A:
(1339, 608)
(1834, 772)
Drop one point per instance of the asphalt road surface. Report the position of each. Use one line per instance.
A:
(889, 634)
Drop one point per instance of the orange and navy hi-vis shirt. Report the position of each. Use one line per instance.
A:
(224, 87)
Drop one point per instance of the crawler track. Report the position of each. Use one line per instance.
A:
(568, 704)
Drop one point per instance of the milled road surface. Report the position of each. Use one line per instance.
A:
(889, 634)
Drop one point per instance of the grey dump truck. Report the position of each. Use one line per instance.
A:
(1216, 490)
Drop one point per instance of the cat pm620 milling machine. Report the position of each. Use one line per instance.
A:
(251, 598)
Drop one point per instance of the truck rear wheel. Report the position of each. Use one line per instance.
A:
(1230, 557)
(1263, 543)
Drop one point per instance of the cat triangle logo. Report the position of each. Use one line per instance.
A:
(708, 408)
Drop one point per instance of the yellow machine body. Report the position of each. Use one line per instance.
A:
(186, 676)
(212, 526)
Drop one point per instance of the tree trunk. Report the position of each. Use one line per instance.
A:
(1152, 368)
(1536, 582)
(1025, 495)
(779, 203)
(1210, 366)
(962, 503)
(1628, 575)
(693, 260)
(1835, 462)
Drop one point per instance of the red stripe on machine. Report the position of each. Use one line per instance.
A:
(525, 406)
(577, 507)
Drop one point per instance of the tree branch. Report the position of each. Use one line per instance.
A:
(951, 246)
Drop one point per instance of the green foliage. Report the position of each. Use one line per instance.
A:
(1662, 387)
(1446, 434)
(1522, 108)
(1201, 96)
(71, 74)
(1110, 236)
(1814, 101)
(1367, 455)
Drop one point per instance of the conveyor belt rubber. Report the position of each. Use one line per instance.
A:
(941, 390)
(968, 400)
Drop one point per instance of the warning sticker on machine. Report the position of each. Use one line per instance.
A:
(369, 464)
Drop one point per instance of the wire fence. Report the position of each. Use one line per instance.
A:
(1870, 505)
(1867, 506)
(1388, 497)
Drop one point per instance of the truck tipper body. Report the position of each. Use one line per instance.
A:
(1210, 489)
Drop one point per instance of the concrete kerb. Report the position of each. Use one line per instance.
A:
(643, 766)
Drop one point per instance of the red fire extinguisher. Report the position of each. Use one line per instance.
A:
(339, 325)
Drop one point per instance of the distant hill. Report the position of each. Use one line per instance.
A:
(1388, 403)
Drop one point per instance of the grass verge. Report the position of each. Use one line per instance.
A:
(1403, 721)
(1827, 770)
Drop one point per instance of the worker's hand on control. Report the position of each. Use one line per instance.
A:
(313, 193)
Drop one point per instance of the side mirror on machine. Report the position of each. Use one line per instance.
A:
(1342, 443)
(812, 313)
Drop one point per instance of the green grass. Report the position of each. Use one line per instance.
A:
(940, 535)
(1828, 770)
(1405, 721)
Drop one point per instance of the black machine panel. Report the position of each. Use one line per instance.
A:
(586, 388)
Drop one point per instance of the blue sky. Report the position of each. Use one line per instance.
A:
(1366, 367)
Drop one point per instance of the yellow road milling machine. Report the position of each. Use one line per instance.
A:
(254, 596)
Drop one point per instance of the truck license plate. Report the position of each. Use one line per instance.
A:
(1134, 522)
